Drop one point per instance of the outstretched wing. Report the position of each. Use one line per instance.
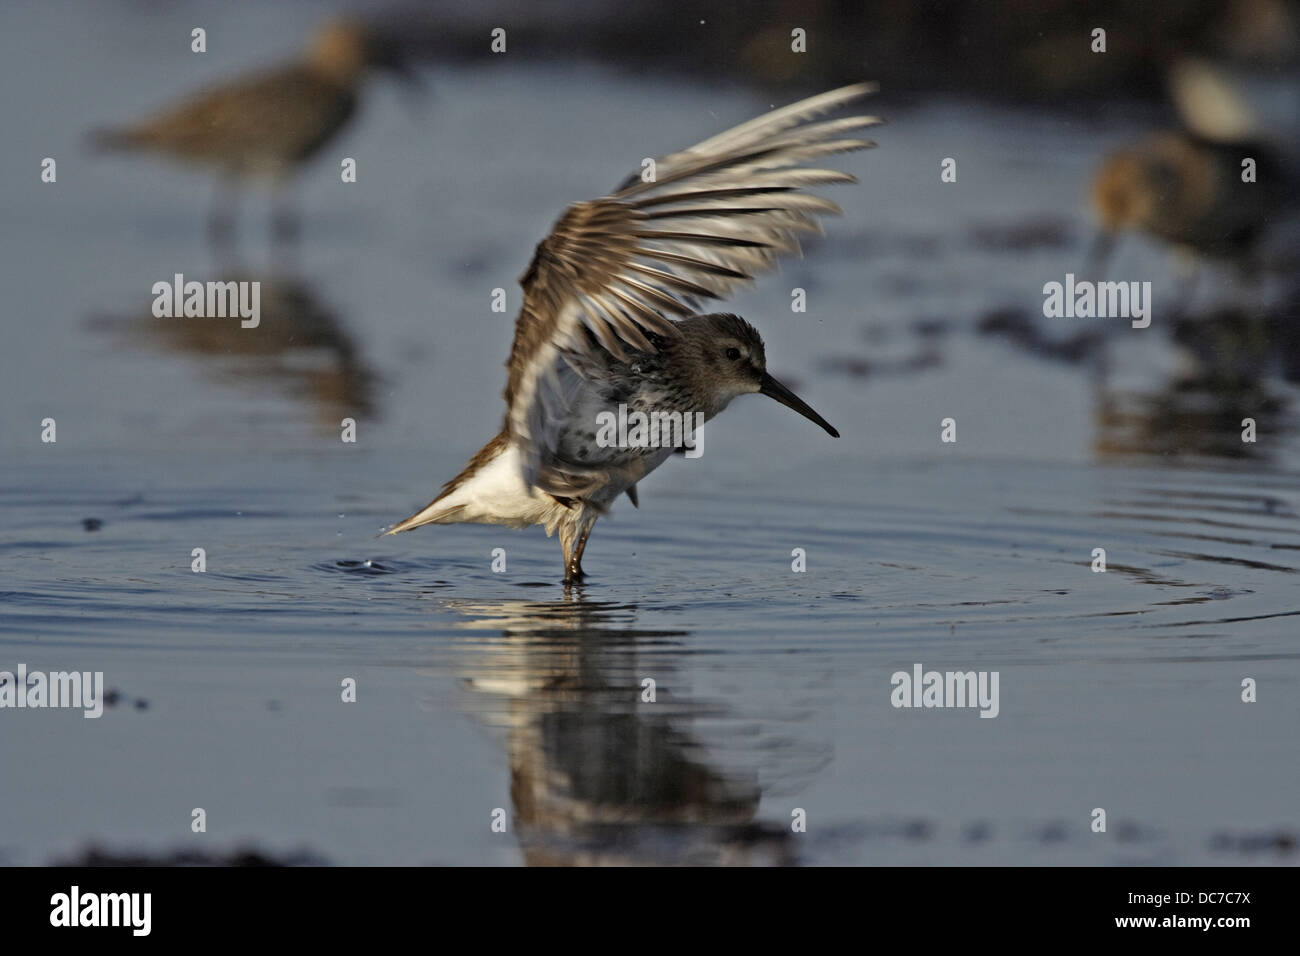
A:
(709, 218)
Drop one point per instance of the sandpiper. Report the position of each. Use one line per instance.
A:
(594, 337)
(1188, 191)
(268, 124)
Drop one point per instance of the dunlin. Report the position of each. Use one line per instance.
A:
(596, 338)
(1188, 191)
(266, 125)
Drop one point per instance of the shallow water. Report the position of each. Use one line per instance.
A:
(480, 690)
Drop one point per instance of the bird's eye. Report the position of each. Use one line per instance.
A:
(733, 353)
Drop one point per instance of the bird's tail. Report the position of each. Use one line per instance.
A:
(436, 512)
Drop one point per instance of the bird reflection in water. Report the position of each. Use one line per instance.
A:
(1231, 367)
(299, 344)
(598, 775)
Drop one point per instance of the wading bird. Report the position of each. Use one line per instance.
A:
(1213, 186)
(266, 125)
(1187, 191)
(595, 332)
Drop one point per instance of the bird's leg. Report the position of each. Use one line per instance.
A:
(1188, 272)
(284, 219)
(221, 222)
(573, 552)
(567, 532)
(575, 567)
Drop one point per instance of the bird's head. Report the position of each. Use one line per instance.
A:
(1136, 187)
(725, 358)
(1118, 201)
(1122, 193)
(343, 49)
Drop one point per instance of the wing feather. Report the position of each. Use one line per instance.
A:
(613, 270)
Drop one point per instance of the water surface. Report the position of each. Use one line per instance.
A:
(480, 691)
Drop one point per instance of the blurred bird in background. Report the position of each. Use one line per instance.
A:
(1212, 187)
(1188, 191)
(267, 125)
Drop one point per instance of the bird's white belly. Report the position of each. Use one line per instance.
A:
(498, 494)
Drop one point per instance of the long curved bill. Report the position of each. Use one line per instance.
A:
(774, 389)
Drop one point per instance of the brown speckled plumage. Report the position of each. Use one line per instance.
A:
(1188, 191)
(266, 123)
(608, 318)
